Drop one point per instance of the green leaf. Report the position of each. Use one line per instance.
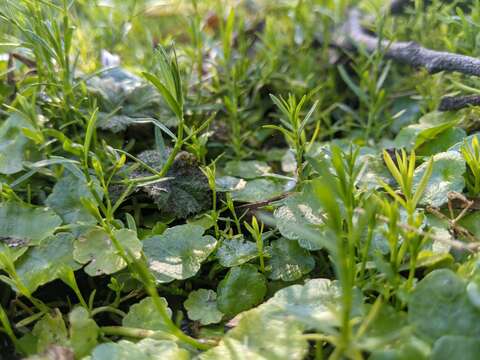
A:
(83, 332)
(178, 253)
(440, 306)
(456, 347)
(13, 144)
(50, 330)
(144, 315)
(26, 224)
(259, 190)
(242, 282)
(442, 142)
(146, 349)
(96, 249)
(167, 95)
(247, 169)
(202, 306)
(315, 304)
(447, 176)
(236, 252)
(289, 262)
(300, 210)
(45, 262)
(429, 127)
(407, 348)
(257, 336)
(66, 195)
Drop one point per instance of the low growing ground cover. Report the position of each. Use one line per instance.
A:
(293, 179)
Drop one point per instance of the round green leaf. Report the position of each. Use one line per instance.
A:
(66, 195)
(178, 253)
(50, 330)
(45, 262)
(236, 252)
(259, 337)
(447, 176)
(315, 304)
(289, 261)
(145, 315)
(202, 306)
(146, 349)
(247, 169)
(300, 210)
(456, 347)
(440, 306)
(258, 190)
(83, 332)
(26, 224)
(96, 249)
(13, 144)
(242, 288)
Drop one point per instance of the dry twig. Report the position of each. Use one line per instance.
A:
(353, 35)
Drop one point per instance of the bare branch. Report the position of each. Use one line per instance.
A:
(398, 7)
(450, 103)
(411, 53)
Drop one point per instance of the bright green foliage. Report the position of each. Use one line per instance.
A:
(46, 261)
(143, 315)
(447, 176)
(83, 332)
(239, 180)
(21, 224)
(13, 144)
(289, 261)
(440, 306)
(178, 253)
(258, 337)
(50, 330)
(66, 196)
(95, 248)
(147, 349)
(202, 306)
(236, 252)
(241, 289)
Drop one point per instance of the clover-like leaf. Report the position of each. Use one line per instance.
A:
(84, 332)
(289, 261)
(447, 176)
(429, 127)
(13, 144)
(241, 289)
(96, 249)
(259, 190)
(50, 330)
(247, 169)
(314, 304)
(66, 197)
(24, 224)
(259, 337)
(144, 315)
(440, 306)
(442, 142)
(456, 347)
(202, 306)
(236, 252)
(45, 262)
(178, 253)
(146, 349)
(300, 210)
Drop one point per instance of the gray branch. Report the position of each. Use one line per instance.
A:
(411, 53)
(450, 103)
(398, 7)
